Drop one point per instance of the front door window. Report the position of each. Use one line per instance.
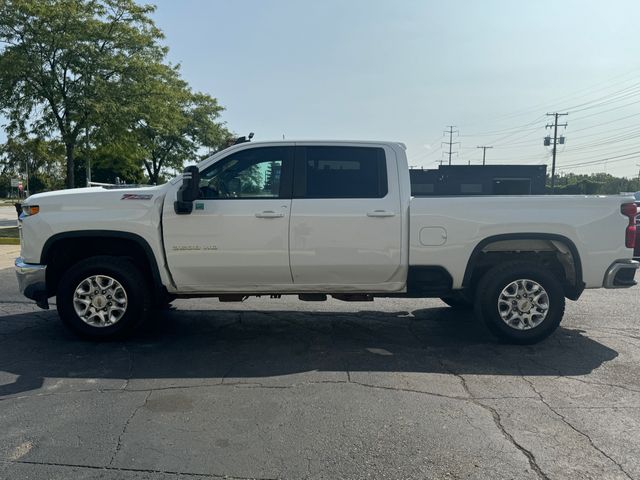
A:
(254, 173)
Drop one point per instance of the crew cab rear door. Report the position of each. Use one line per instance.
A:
(345, 232)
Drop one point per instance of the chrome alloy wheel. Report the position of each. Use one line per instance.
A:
(100, 301)
(523, 304)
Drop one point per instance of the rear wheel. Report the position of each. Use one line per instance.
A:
(103, 297)
(520, 302)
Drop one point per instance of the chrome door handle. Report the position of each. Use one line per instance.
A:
(269, 214)
(381, 213)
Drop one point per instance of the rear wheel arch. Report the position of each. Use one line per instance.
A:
(526, 246)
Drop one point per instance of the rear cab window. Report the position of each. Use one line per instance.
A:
(340, 172)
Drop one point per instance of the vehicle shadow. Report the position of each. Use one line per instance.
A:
(223, 344)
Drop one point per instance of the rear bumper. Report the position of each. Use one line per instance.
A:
(32, 281)
(620, 274)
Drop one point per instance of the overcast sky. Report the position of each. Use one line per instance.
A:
(403, 70)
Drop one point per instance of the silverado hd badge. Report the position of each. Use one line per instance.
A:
(137, 196)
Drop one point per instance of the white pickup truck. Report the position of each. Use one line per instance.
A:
(316, 219)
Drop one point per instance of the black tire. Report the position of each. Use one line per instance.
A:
(497, 279)
(458, 301)
(132, 282)
(164, 302)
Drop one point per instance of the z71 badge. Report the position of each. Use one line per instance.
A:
(137, 196)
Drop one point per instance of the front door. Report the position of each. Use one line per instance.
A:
(236, 238)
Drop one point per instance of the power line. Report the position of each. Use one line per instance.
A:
(617, 158)
(620, 151)
(517, 129)
(601, 142)
(598, 103)
(606, 123)
(607, 111)
(612, 97)
(585, 92)
(423, 155)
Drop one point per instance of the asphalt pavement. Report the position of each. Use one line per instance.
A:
(396, 389)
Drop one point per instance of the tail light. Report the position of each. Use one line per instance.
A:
(630, 210)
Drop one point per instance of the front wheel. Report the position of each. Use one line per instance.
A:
(103, 297)
(520, 302)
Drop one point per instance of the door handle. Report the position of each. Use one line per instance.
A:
(381, 213)
(269, 214)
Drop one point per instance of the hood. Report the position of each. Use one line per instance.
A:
(97, 198)
(81, 195)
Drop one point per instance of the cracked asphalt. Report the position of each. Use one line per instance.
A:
(266, 389)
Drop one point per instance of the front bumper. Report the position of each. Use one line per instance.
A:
(620, 274)
(32, 282)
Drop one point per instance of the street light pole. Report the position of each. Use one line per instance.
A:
(26, 171)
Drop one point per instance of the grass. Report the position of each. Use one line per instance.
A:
(9, 241)
(9, 232)
(9, 236)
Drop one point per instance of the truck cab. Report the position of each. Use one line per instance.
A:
(291, 217)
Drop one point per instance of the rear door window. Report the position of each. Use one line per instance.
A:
(340, 172)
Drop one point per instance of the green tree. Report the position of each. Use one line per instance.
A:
(42, 159)
(70, 67)
(174, 124)
(594, 184)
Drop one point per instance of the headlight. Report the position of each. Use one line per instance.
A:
(29, 210)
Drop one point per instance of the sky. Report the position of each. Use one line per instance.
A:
(404, 70)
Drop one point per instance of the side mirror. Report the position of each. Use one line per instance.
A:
(188, 191)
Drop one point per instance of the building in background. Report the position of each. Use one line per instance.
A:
(479, 180)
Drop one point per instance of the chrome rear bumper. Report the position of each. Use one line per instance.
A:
(32, 281)
(620, 274)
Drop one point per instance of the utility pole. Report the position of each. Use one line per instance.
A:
(26, 171)
(484, 153)
(450, 131)
(547, 141)
(86, 149)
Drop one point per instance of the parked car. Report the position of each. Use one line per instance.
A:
(316, 219)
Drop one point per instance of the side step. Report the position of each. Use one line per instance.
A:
(313, 297)
(353, 297)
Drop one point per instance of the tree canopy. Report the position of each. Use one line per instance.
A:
(594, 184)
(93, 75)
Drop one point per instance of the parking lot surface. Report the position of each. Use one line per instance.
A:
(8, 216)
(266, 389)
